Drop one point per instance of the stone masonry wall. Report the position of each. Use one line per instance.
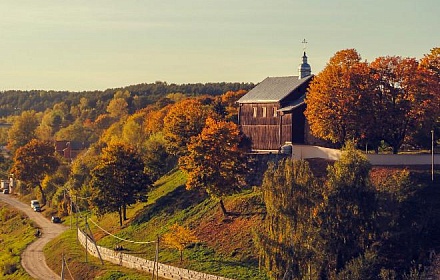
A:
(165, 271)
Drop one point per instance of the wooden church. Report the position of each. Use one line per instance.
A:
(272, 113)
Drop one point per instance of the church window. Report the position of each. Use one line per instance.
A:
(255, 112)
(275, 112)
(264, 112)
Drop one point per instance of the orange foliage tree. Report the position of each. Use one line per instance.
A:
(216, 161)
(184, 120)
(179, 238)
(402, 100)
(333, 95)
(33, 162)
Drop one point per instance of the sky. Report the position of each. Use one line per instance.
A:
(81, 45)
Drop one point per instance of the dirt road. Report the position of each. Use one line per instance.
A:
(32, 259)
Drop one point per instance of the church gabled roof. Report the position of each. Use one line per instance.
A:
(273, 89)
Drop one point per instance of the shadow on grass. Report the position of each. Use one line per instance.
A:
(174, 201)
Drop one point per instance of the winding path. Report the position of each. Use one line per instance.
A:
(32, 259)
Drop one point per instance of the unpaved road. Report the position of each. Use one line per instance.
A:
(32, 259)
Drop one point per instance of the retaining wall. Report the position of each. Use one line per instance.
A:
(305, 151)
(163, 270)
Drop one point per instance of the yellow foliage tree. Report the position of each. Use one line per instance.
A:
(179, 238)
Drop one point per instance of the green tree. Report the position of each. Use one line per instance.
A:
(23, 130)
(347, 224)
(215, 161)
(33, 162)
(157, 160)
(288, 235)
(118, 108)
(118, 180)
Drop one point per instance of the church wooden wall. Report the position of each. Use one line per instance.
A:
(263, 131)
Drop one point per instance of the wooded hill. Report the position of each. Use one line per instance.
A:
(13, 102)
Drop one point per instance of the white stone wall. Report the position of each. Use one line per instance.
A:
(305, 151)
(165, 271)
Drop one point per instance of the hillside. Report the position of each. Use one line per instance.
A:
(225, 243)
(16, 232)
(225, 246)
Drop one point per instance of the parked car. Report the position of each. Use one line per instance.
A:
(36, 205)
(56, 219)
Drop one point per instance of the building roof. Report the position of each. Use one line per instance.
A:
(293, 105)
(273, 89)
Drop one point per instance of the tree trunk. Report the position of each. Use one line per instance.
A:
(120, 216)
(43, 195)
(124, 211)
(181, 255)
(222, 206)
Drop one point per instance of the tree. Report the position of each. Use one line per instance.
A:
(183, 121)
(179, 238)
(23, 130)
(118, 108)
(118, 180)
(33, 162)
(402, 101)
(337, 99)
(215, 161)
(157, 160)
(347, 217)
(288, 234)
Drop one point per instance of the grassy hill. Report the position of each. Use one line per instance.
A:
(16, 232)
(225, 246)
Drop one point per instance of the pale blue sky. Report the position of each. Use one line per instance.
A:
(98, 44)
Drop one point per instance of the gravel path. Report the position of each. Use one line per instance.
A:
(32, 259)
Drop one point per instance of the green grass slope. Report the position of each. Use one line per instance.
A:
(16, 232)
(225, 246)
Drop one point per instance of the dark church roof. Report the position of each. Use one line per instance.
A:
(293, 105)
(273, 89)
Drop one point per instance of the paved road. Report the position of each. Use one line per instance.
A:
(32, 259)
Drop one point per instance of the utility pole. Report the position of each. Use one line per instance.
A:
(62, 266)
(432, 155)
(87, 249)
(76, 215)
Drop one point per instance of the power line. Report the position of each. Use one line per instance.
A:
(68, 269)
(122, 239)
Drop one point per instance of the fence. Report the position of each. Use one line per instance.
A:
(163, 270)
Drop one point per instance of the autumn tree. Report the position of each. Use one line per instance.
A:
(157, 160)
(287, 238)
(179, 238)
(402, 101)
(347, 217)
(118, 180)
(33, 162)
(133, 132)
(430, 71)
(184, 120)
(76, 131)
(154, 122)
(23, 130)
(118, 108)
(336, 100)
(215, 161)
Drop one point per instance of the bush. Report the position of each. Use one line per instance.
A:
(9, 268)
